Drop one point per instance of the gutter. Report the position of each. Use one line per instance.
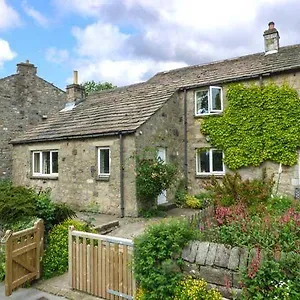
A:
(185, 142)
(71, 137)
(122, 202)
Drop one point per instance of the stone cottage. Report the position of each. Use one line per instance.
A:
(84, 153)
(25, 101)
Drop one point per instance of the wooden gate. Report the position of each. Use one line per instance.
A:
(100, 265)
(23, 250)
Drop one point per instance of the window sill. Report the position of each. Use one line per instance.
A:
(44, 177)
(102, 178)
(208, 114)
(208, 176)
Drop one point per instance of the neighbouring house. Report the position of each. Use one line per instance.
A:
(25, 101)
(85, 152)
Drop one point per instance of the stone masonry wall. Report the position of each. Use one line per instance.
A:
(77, 182)
(217, 264)
(289, 178)
(24, 99)
(165, 129)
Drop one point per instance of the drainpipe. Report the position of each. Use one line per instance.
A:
(121, 176)
(185, 141)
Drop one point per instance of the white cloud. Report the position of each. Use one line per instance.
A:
(8, 16)
(35, 15)
(6, 53)
(130, 40)
(57, 55)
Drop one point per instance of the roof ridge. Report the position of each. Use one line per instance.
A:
(220, 61)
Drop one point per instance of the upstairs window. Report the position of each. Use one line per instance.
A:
(45, 163)
(103, 161)
(209, 101)
(210, 162)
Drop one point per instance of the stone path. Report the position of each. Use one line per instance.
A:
(27, 294)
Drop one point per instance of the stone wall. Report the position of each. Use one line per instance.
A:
(165, 129)
(77, 182)
(217, 264)
(24, 99)
(289, 178)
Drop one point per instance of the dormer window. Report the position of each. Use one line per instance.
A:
(209, 101)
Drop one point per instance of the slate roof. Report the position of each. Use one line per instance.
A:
(127, 108)
(288, 58)
(103, 113)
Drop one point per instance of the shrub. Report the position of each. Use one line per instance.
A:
(193, 202)
(195, 289)
(15, 203)
(274, 279)
(180, 194)
(2, 263)
(152, 177)
(52, 213)
(156, 257)
(232, 190)
(55, 259)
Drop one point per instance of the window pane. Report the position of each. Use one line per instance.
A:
(46, 162)
(217, 156)
(203, 161)
(104, 161)
(202, 102)
(216, 99)
(36, 163)
(54, 162)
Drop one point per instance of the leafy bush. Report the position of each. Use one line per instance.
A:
(152, 177)
(196, 289)
(55, 259)
(274, 279)
(193, 202)
(15, 203)
(2, 263)
(156, 257)
(180, 194)
(52, 213)
(232, 190)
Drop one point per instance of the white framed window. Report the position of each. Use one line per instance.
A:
(209, 101)
(45, 163)
(210, 162)
(103, 161)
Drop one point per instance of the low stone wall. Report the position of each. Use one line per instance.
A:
(217, 264)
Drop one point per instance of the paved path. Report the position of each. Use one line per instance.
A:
(27, 294)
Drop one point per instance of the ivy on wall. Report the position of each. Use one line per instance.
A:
(260, 123)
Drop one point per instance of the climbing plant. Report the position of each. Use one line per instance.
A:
(260, 123)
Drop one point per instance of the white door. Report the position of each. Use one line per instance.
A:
(162, 154)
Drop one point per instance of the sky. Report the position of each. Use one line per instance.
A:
(128, 41)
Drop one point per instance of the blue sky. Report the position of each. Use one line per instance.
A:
(127, 41)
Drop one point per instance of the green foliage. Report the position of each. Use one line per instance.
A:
(2, 263)
(15, 203)
(190, 288)
(156, 262)
(152, 177)
(180, 194)
(259, 124)
(24, 223)
(152, 212)
(193, 202)
(55, 259)
(232, 190)
(92, 86)
(274, 279)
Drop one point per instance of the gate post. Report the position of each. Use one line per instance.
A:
(70, 248)
(8, 262)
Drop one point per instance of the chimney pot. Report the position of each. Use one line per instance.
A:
(271, 25)
(75, 77)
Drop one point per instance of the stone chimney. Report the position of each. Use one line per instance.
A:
(75, 91)
(271, 37)
(26, 68)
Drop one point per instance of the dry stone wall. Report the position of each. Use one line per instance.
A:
(218, 264)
